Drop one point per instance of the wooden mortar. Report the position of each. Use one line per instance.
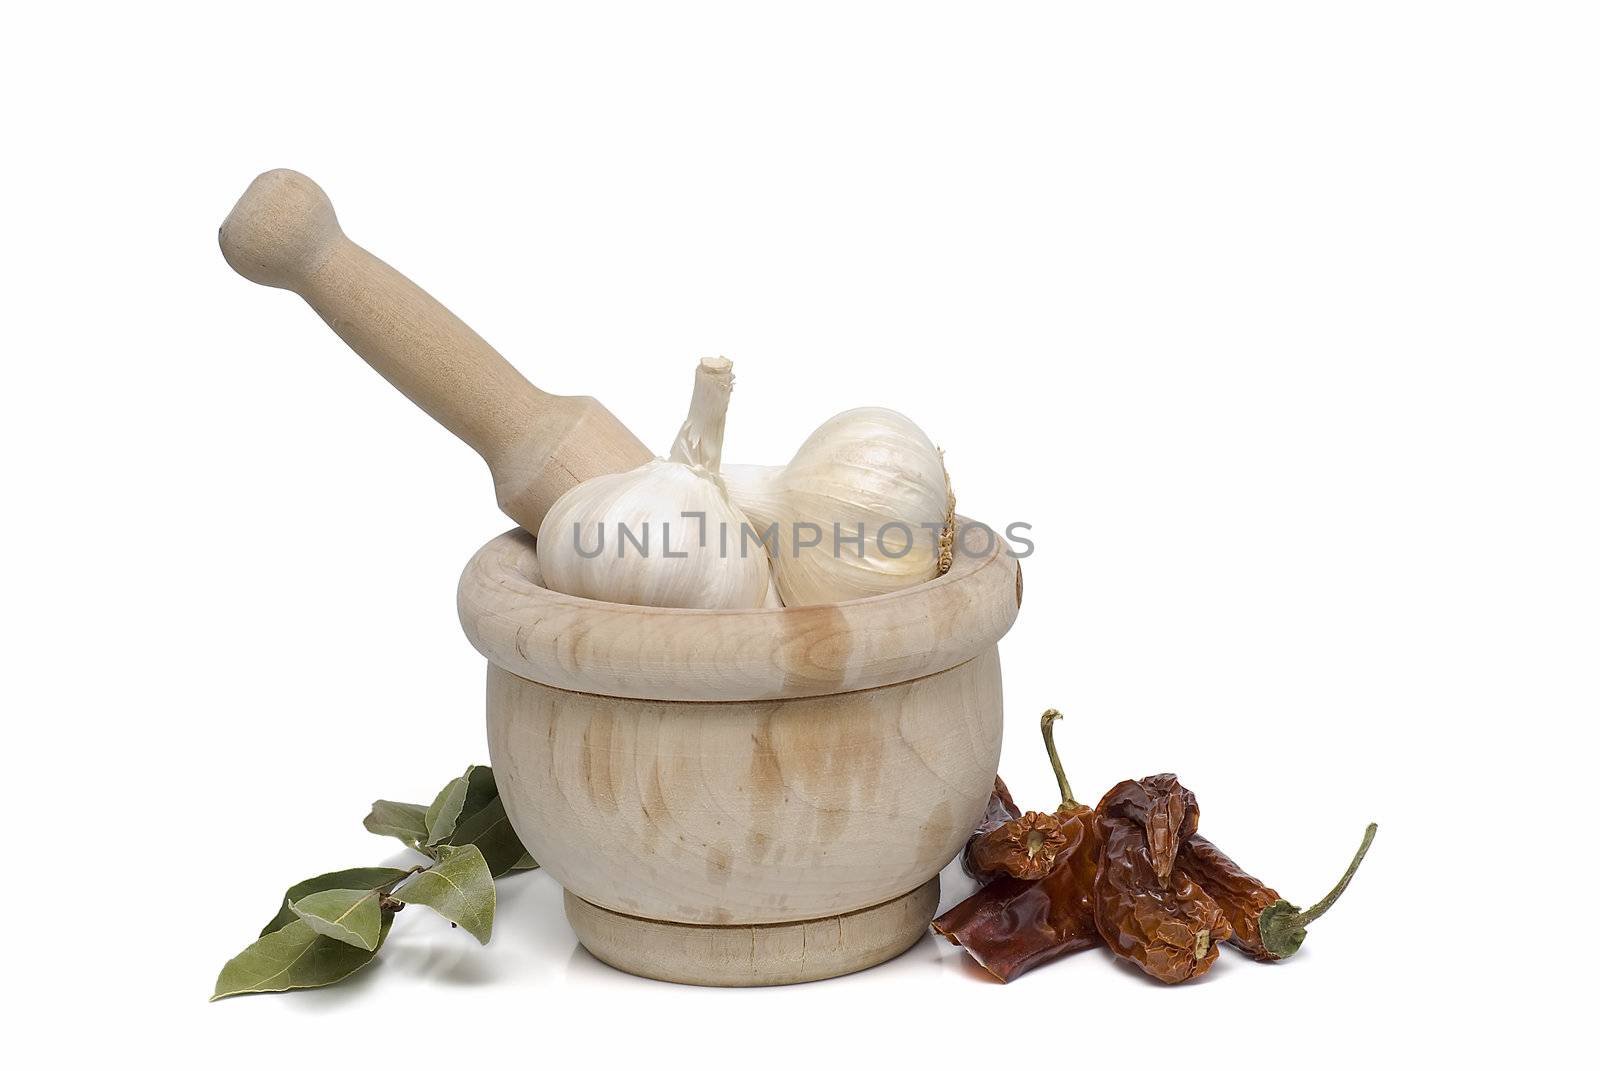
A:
(743, 797)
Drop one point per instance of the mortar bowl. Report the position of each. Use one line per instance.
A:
(743, 797)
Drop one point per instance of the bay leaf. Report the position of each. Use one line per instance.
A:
(459, 887)
(490, 829)
(527, 862)
(294, 957)
(481, 791)
(445, 811)
(348, 915)
(407, 822)
(362, 877)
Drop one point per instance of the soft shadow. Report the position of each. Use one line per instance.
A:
(451, 958)
(970, 970)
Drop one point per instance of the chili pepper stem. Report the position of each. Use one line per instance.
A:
(1047, 722)
(1283, 926)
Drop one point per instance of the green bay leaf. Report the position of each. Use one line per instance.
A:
(459, 887)
(294, 957)
(490, 829)
(361, 877)
(445, 810)
(407, 822)
(481, 791)
(348, 915)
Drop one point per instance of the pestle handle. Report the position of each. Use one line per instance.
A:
(283, 233)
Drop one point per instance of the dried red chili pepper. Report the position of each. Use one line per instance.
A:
(1011, 841)
(1025, 847)
(1147, 911)
(1265, 925)
(1013, 925)
(1001, 809)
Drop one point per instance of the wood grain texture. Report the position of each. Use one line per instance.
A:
(778, 954)
(738, 770)
(284, 233)
(645, 652)
(747, 812)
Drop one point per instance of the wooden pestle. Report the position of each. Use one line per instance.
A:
(283, 233)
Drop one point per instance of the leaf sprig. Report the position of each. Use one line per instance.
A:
(330, 926)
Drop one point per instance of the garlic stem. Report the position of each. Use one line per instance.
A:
(699, 441)
(658, 535)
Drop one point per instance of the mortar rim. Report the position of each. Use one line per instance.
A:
(652, 652)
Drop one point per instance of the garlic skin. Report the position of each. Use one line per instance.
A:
(651, 502)
(867, 470)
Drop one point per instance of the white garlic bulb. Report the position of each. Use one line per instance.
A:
(869, 494)
(654, 536)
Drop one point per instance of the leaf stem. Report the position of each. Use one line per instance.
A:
(385, 890)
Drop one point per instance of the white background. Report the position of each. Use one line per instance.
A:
(1276, 321)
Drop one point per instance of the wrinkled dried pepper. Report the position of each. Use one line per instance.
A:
(1012, 842)
(1001, 809)
(1147, 911)
(1012, 924)
(1025, 848)
(1265, 925)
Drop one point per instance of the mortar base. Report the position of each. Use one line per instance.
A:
(773, 954)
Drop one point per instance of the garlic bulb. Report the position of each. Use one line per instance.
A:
(654, 536)
(863, 509)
